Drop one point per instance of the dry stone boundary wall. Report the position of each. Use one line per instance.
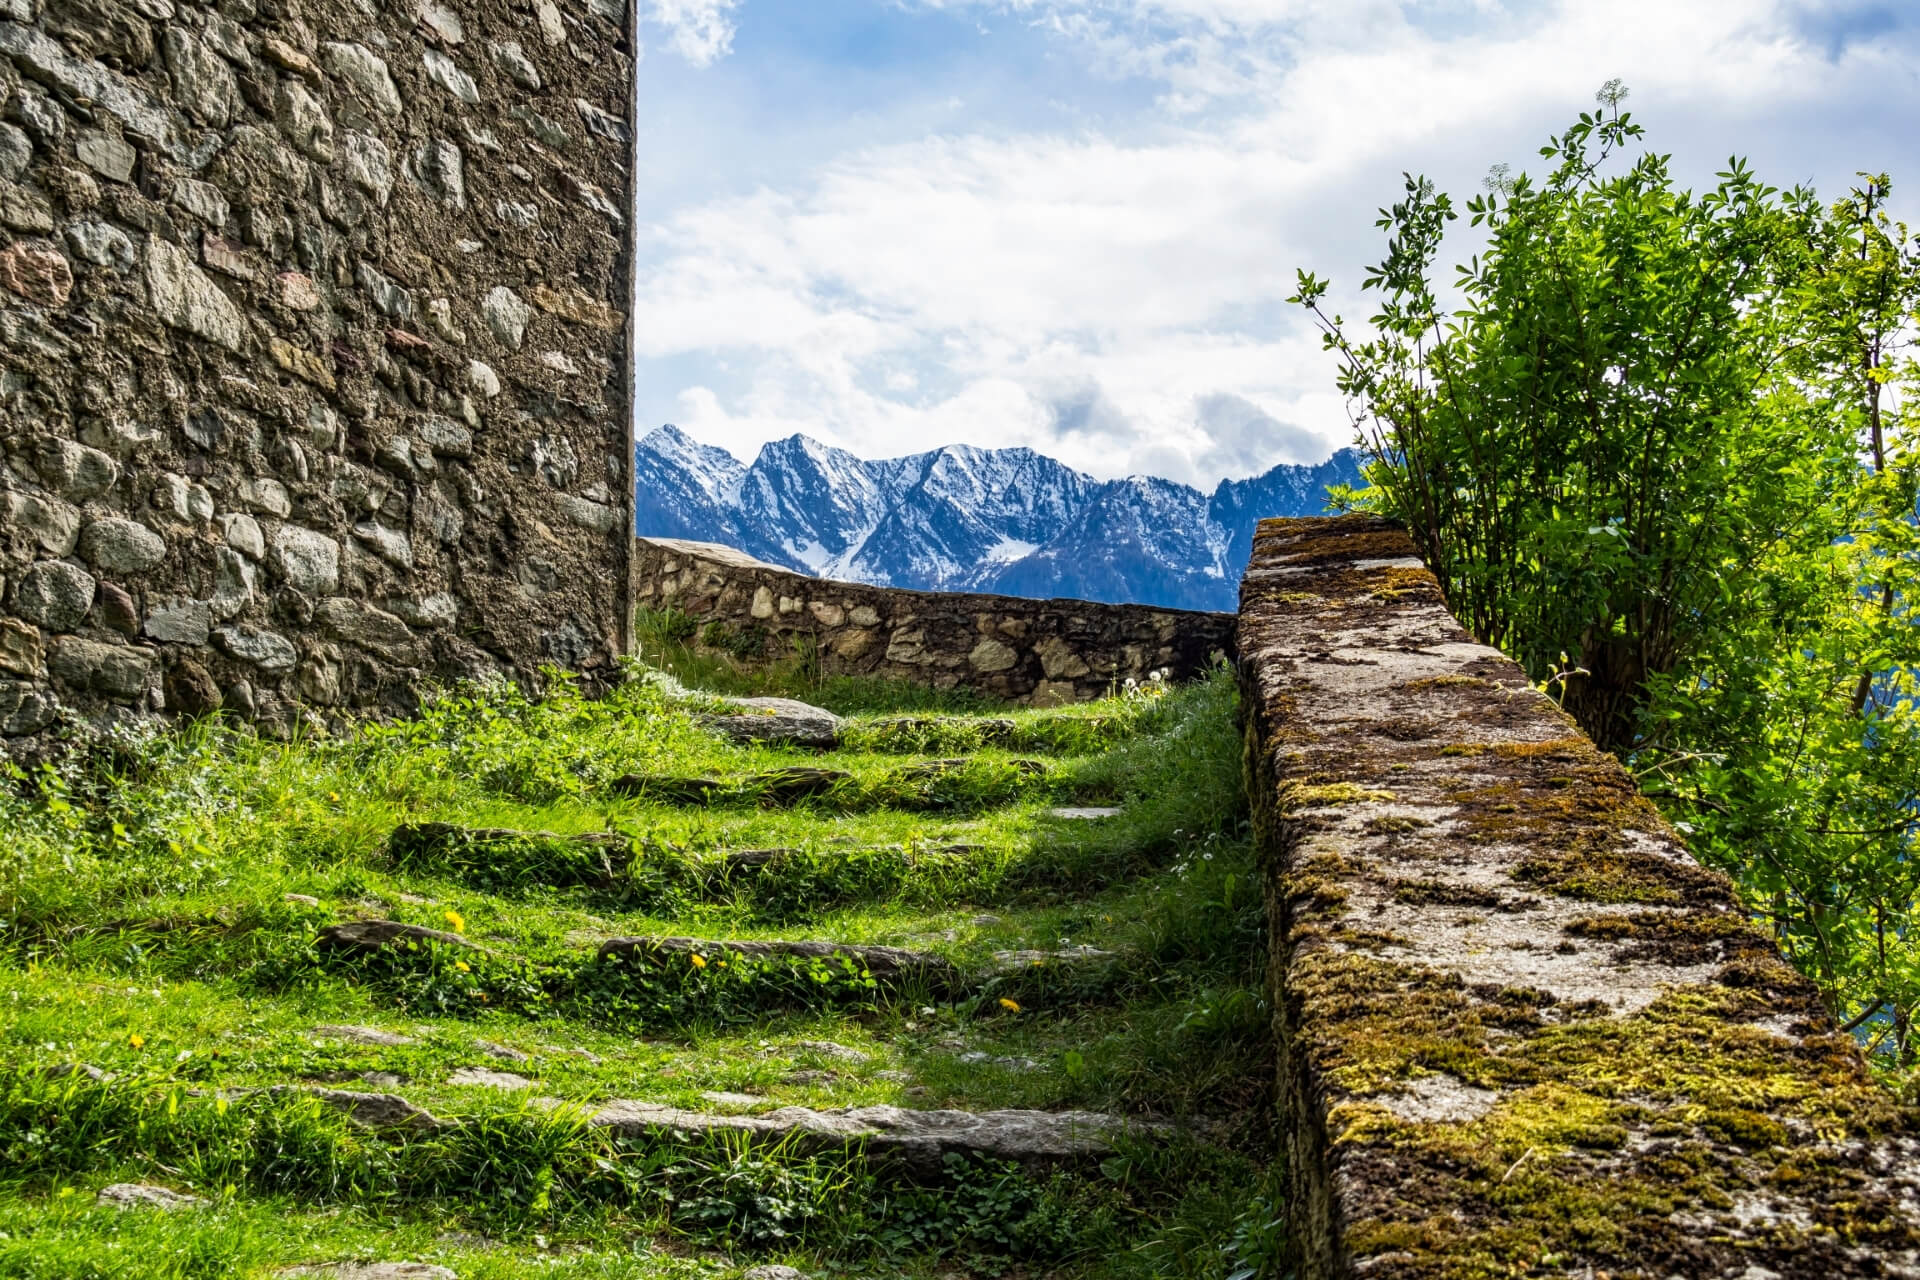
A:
(1040, 652)
(1521, 1031)
(313, 374)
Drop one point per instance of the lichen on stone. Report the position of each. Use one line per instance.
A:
(1521, 1031)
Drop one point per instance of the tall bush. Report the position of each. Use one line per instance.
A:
(1660, 453)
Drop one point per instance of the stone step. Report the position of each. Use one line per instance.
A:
(916, 1141)
(936, 770)
(888, 965)
(775, 787)
(365, 937)
(911, 735)
(914, 786)
(599, 859)
(776, 722)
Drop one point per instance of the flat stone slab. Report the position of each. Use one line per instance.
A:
(919, 1140)
(144, 1195)
(992, 731)
(368, 936)
(373, 1110)
(884, 963)
(371, 1271)
(671, 790)
(1082, 813)
(732, 1101)
(428, 840)
(935, 770)
(1011, 961)
(353, 1034)
(486, 1078)
(777, 721)
(773, 787)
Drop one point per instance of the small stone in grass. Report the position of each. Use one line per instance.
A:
(506, 1053)
(591, 1058)
(371, 1271)
(773, 1271)
(301, 899)
(489, 1079)
(362, 1035)
(809, 1075)
(828, 1049)
(721, 1098)
(1082, 812)
(142, 1195)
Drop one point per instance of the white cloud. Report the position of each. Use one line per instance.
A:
(701, 31)
(1114, 296)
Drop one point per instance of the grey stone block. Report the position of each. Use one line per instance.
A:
(506, 316)
(113, 671)
(268, 650)
(365, 71)
(71, 469)
(118, 545)
(185, 297)
(102, 244)
(48, 521)
(54, 595)
(306, 561)
(178, 621)
(24, 708)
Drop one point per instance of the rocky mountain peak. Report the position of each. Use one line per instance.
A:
(962, 517)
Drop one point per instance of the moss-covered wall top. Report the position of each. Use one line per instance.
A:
(1522, 1032)
(312, 348)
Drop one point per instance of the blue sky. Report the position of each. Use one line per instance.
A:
(894, 224)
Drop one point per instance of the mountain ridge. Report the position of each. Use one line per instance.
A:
(964, 518)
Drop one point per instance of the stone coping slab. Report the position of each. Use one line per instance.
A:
(1520, 1030)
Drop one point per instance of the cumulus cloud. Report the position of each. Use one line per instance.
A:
(1112, 293)
(701, 31)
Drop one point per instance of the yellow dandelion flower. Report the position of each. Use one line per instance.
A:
(456, 922)
(136, 1039)
(1011, 1006)
(461, 965)
(699, 961)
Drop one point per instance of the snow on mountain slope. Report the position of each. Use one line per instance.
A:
(685, 489)
(1140, 540)
(965, 518)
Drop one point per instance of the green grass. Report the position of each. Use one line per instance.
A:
(160, 898)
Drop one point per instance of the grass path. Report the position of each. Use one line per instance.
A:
(169, 1016)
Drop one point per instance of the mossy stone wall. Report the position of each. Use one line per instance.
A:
(1521, 1031)
(1037, 652)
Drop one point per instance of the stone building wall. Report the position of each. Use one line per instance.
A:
(1043, 652)
(313, 381)
(1520, 1029)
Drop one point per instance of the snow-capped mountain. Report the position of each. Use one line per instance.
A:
(960, 518)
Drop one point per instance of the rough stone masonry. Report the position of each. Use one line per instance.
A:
(313, 374)
(1521, 1031)
(1037, 652)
